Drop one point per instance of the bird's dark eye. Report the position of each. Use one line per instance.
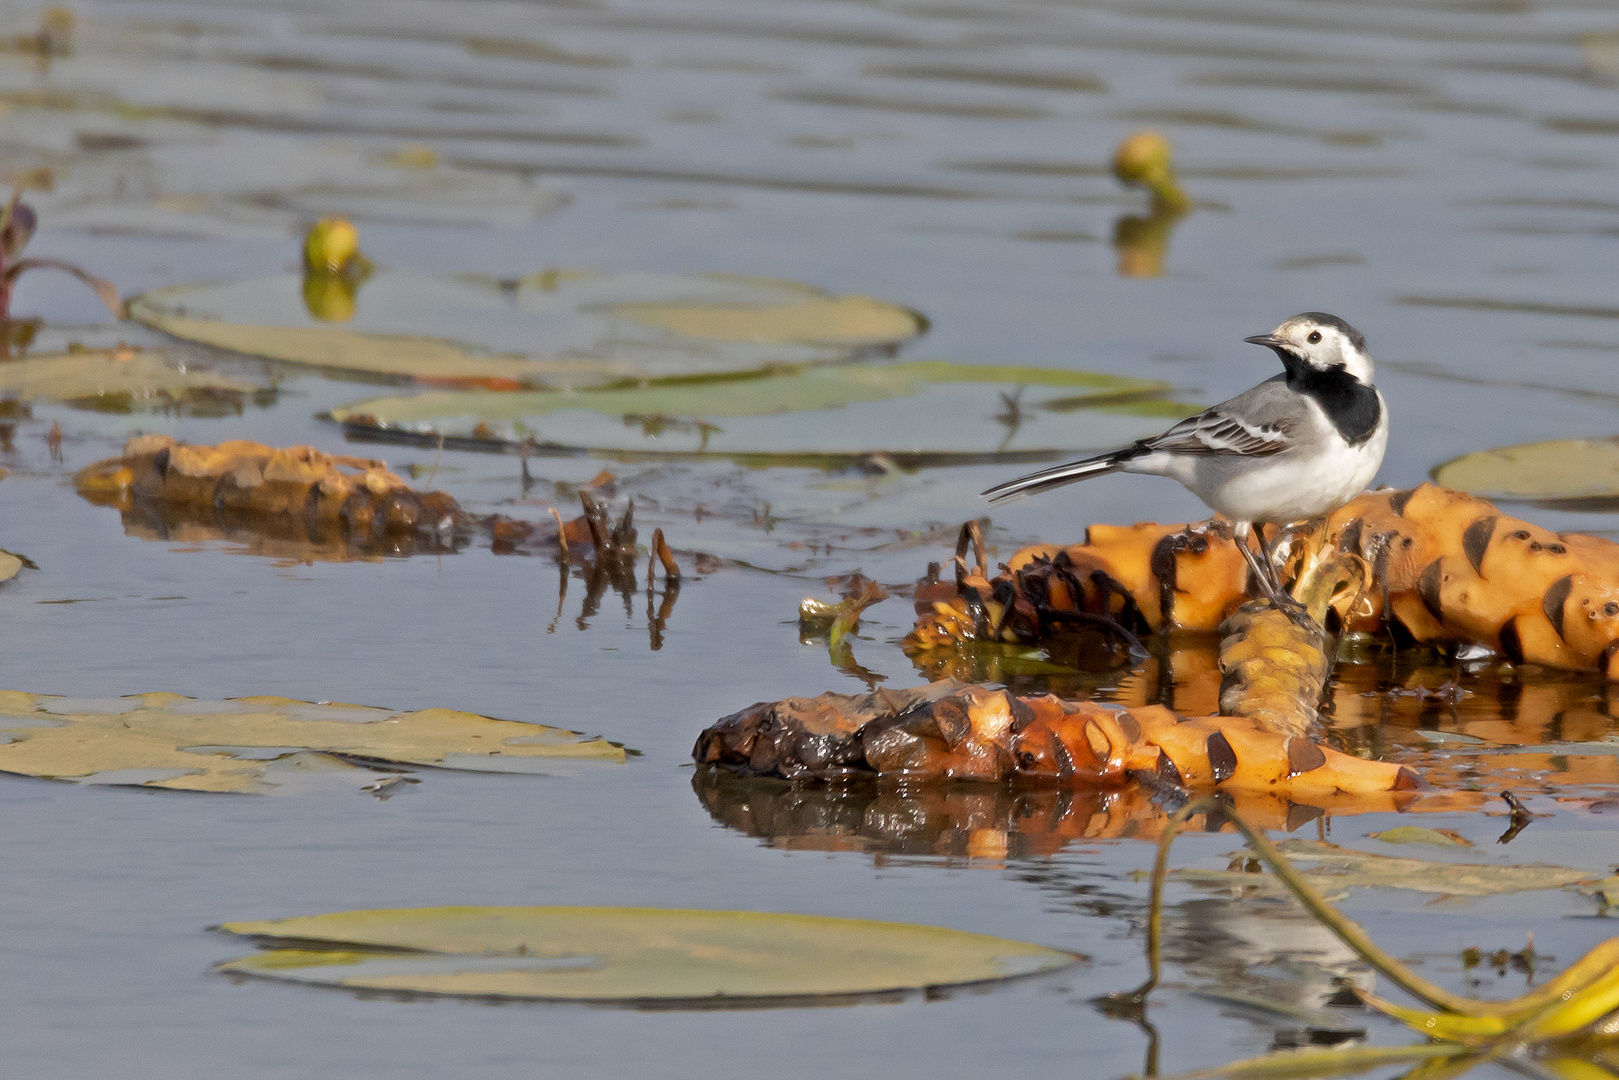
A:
(1314, 338)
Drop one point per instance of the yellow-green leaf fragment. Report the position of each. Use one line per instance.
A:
(10, 566)
(632, 955)
(1563, 469)
(559, 329)
(169, 741)
(1453, 1027)
(1575, 1010)
(1572, 1065)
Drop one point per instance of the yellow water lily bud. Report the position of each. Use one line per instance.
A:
(1144, 159)
(331, 246)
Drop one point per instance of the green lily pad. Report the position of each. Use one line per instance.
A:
(169, 741)
(1564, 470)
(1417, 834)
(558, 329)
(918, 412)
(112, 380)
(1332, 869)
(632, 956)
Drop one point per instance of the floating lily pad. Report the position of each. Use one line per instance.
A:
(1563, 470)
(170, 741)
(112, 380)
(918, 412)
(558, 329)
(645, 956)
(1417, 834)
(1333, 869)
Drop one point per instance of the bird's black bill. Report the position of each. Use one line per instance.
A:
(1270, 341)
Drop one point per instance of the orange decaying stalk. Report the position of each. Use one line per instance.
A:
(1444, 567)
(954, 731)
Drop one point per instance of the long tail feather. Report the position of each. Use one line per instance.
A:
(1057, 476)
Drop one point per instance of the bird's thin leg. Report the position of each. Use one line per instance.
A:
(1267, 580)
(1270, 558)
(1261, 578)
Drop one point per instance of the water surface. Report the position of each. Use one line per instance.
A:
(1439, 174)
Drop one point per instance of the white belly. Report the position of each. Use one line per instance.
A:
(1278, 489)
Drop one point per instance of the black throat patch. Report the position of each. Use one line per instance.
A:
(1350, 404)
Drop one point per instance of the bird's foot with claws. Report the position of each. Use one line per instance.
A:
(1294, 610)
(1271, 589)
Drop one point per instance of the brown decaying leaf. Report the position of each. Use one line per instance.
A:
(297, 483)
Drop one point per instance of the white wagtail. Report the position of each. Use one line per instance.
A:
(1295, 447)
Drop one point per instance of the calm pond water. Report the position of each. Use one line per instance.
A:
(1441, 174)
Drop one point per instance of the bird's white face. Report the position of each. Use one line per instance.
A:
(1325, 345)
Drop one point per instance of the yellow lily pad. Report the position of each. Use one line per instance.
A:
(950, 412)
(645, 956)
(170, 741)
(1566, 470)
(557, 329)
(115, 380)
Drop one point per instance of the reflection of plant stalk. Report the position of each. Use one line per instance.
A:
(1144, 160)
(839, 622)
(1143, 242)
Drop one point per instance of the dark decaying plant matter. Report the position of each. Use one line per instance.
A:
(948, 731)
